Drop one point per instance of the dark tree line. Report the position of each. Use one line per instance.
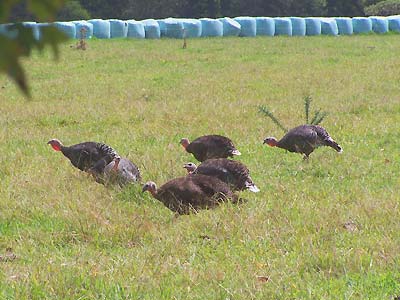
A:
(142, 9)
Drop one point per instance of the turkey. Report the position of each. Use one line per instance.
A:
(90, 157)
(191, 193)
(120, 171)
(232, 172)
(210, 146)
(304, 139)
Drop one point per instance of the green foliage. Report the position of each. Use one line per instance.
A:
(44, 10)
(267, 112)
(319, 115)
(306, 8)
(108, 8)
(371, 2)
(307, 103)
(384, 8)
(72, 10)
(142, 9)
(14, 48)
(348, 8)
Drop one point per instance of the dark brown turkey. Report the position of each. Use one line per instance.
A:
(191, 193)
(210, 146)
(304, 139)
(90, 157)
(232, 172)
(120, 171)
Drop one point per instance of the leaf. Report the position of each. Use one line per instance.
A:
(24, 39)
(307, 102)
(10, 52)
(316, 115)
(52, 36)
(19, 43)
(263, 109)
(18, 74)
(320, 119)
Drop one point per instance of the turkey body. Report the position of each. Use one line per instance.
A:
(212, 146)
(87, 156)
(305, 139)
(232, 172)
(191, 193)
(127, 173)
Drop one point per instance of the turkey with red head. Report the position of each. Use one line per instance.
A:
(210, 146)
(91, 157)
(191, 193)
(232, 172)
(304, 139)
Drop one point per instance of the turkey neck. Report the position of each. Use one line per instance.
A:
(154, 194)
(65, 150)
(281, 144)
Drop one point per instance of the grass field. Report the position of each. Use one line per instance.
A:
(328, 228)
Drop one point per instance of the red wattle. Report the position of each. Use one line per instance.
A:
(56, 147)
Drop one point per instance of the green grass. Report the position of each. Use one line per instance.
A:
(75, 239)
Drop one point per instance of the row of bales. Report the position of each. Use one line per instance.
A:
(206, 27)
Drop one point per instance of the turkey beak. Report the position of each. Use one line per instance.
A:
(144, 188)
(188, 168)
(264, 142)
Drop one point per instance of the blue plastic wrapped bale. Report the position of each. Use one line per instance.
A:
(192, 28)
(283, 26)
(380, 24)
(362, 25)
(174, 28)
(298, 26)
(83, 29)
(265, 26)
(345, 25)
(135, 29)
(329, 26)
(118, 28)
(163, 27)
(5, 29)
(66, 27)
(394, 23)
(211, 27)
(313, 26)
(101, 28)
(248, 26)
(151, 29)
(230, 27)
(34, 27)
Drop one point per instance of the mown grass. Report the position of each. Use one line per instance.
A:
(324, 229)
